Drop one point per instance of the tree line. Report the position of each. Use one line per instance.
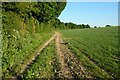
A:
(34, 17)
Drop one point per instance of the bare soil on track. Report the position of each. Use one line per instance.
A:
(70, 66)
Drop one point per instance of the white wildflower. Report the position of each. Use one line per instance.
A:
(17, 31)
(14, 30)
(14, 36)
(8, 35)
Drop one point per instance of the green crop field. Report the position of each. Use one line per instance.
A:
(96, 49)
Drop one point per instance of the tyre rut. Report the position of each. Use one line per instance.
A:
(36, 53)
(70, 66)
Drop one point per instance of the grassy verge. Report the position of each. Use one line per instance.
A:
(45, 66)
(17, 55)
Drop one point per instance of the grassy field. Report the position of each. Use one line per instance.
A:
(97, 49)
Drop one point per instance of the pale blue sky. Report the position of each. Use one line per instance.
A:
(92, 13)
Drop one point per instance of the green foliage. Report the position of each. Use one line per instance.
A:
(18, 50)
(97, 49)
(32, 16)
(42, 11)
(108, 26)
(95, 26)
(74, 26)
(45, 66)
(25, 27)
